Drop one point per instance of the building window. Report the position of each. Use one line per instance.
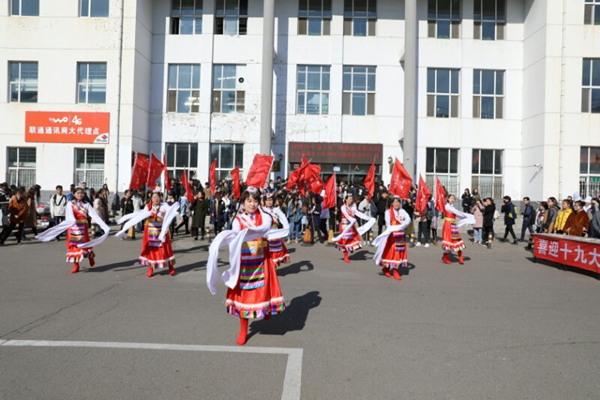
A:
(488, 94)
(186, 17)
(184, 88)
(360, 17)
(443, 164)
(228, 94)
(313, 89)
(442, 93)
(231, 17)
(590, 92)
(228, 155)
(91, 83)
(443, 19)
(182, 157)
(21, 166)
(89, 167)
(93, 8)
(487, 173)
(490, 19)
(23, 82)
(592, 12)
(589, 169)
(25, 8)
(314, 17)
(358, 90)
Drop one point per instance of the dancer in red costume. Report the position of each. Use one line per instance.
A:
(253, 288)
(157, 252)
(349, 238)
(79, 245)
(391, 251)
(277, 250)
(451, 239)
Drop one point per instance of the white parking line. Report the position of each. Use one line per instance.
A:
(293, 371)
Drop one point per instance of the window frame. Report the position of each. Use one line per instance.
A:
(19, 13)
(30, 179)
(450, 180)
(85, 170)
(488, 184)
(20, 82)
(589, 88)
(591, 13)
(480, 21)
(87, 84)
(223, 16)
(324, 74)
(90, 8)
(222, 172)
(308, 18)
(173, 93)
(178, 16)
(434, 96)
(479, 97)
(453, 19)
(238, 92)
(191, 165)
(587, 177)
(351, 16)
(348, 95)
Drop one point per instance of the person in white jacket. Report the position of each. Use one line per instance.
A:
(391, 253)
(58, 206)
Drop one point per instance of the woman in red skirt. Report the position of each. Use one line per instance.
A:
(349, 238)
(253, 288)
(79, 245)
(157, 252)
(451, 239)
(277, 250)
(391, 245)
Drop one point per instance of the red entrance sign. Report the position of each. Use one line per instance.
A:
(568, 250)
(67, 127)
(336, 153)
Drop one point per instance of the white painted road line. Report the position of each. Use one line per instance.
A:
(293, 371)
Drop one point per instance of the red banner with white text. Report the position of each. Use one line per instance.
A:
(566, 250)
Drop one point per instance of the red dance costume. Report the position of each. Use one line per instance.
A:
(350, 240)
(257, 293)
(156, 254)
(451, 239)
(394, 254)
(78, 234)
(278, 251)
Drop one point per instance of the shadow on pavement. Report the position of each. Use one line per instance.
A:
(191, 249)
(566, 268)
(295, 268)
(101, 268)
(292, 319)
(361, 255)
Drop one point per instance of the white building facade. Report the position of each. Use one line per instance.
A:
(508, 91)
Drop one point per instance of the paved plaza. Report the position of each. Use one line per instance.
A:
(499, 327)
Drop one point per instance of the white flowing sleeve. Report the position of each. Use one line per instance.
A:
(284, 231)
(388, 223)
(132, 220)
(379, 241)
(53, 232)
(366, 226)
(465, 219)
(170, 214)
(92, 213)
(349, 226)
(406, 220)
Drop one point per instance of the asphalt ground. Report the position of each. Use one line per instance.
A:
(499, 327)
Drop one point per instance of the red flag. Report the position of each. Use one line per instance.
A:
(156, 168)
(316, 186)
(311, 176)
(369, 182)
(330, 193)
(259, 171)
(213, 176)
(401, 181)
(235, 174)
(188, 188)
(296, 177)
(168, 183)
(423, 195)
(139, 175)
(440, 195)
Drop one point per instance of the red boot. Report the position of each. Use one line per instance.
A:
(150, 272)
(75, 268)
(241, 340)
(461, 261)
(396, 274)
(386, 272)
(346, 260)
(171, 270)
(92, 261)
(446, 258)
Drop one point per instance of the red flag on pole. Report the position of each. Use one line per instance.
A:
(259, 171)
(139, 175)
(330, 193)
(156, 168)
(188, 188)
(401, 181)
(168, 183)
(369, 182)
(440, 195)
(423, 195)
(312, 178)
(235, 174)
(213, 176)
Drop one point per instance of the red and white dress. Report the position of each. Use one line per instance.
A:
(391, 244)
(349, 237)
(451, 239)
(277, 249)
(156, 253)
(257, 292)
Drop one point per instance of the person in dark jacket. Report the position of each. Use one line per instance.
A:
(217, 212)
(467, 201)
(488, 221)
(128, 208)
(382, 206)
(528, 218)
(199, 208)
(510, 215)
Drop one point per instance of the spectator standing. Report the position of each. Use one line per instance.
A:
(382, 206)
(489, 210)
(424, 226)
(127, 207)
(17, 209)
(541, 217)
(199, 207)
(595, 219)
(578, 223)
(31, 217)
(58, 206)
(217, 212)
(183, 210)
(529, 216)
(510, 215)
(466, 200)
(552, 214)
(477, 211)
(562, 216)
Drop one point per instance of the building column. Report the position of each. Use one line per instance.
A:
(266, 98)
(410, 85)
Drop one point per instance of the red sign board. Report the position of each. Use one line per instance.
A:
(67, 127)
(568, 250)
(336, 153)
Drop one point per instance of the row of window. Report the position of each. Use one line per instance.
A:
(31, 8)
